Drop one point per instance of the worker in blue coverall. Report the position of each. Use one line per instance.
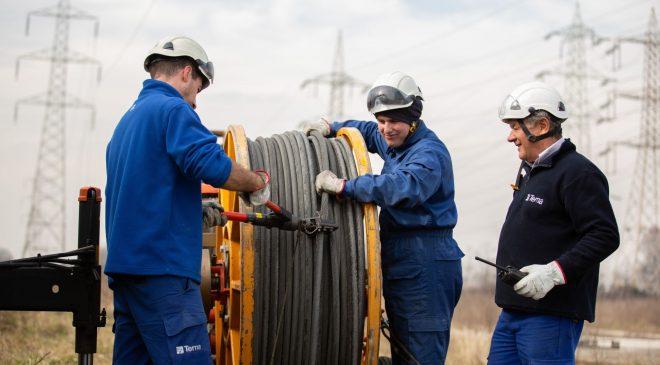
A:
(156, 160)
(421, 261)
(559, 227)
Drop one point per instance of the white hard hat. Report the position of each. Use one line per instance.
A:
(532, 96)
(180, 46)
(393, 90)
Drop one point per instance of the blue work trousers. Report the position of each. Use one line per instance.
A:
(530, 339)
(159, 320)
(422, 282)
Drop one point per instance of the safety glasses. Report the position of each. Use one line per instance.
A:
(207, 70)
(387, 96)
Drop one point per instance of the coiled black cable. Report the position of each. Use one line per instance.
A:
(309, 290)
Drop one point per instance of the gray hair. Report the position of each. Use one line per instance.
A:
(555, 123)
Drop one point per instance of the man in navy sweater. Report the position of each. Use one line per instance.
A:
(156, 160)
(559, 227)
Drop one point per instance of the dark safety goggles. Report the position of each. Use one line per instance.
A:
(387, 96)
(207, 70)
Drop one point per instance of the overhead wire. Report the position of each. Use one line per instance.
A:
(131, 38)
(441, 35)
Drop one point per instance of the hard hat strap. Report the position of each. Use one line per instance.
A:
(532, 138)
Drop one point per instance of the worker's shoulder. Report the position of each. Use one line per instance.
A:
(174, 102)
(431, 144)
(173, 106)
(576, 165)
(429, 150)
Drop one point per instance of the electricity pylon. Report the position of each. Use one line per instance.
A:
(640, 228)
(46, 228)
(338, 80)
(576, 75)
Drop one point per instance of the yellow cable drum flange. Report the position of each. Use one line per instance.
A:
(235, 323)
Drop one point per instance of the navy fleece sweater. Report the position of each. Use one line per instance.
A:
(560, 212)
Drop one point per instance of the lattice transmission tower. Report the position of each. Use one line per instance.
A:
(576, 74)
(46, 227)
(640, 226)
(338, 81)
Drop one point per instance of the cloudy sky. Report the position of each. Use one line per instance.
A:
(465, 55)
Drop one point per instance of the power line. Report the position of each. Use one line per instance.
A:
(131, 38)
(442, 35)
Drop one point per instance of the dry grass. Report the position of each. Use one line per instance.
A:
(477, 309)
(468, 346)
(47, 338)
(636, 314)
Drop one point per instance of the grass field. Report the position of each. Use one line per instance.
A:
(47, 338)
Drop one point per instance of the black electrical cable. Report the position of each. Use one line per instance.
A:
(309, 290)
(256, 161)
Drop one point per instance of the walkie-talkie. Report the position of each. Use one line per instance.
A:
(509, 275)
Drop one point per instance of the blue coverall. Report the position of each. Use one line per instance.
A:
(158, 155)
(421, 264)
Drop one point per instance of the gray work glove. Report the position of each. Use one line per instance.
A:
(327, 181)
(261, 196)
(323, 126)
(539, 280)
(212, 215)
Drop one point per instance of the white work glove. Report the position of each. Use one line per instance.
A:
(323, 126)
(328, 182)
(261, 196)
(539, 280)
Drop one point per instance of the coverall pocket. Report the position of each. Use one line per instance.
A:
(187, 338)
(428, 338)
(404, 290)
(401, 272)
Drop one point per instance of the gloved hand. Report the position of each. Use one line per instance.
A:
(212, 215)
(323, 126)
(327, 181)
(261, 196)
(540, 279)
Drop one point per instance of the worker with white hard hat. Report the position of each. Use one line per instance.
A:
(157, 158)
(558, 228)
(421, 261)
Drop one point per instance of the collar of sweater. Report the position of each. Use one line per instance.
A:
(550, 158)
(156, 86)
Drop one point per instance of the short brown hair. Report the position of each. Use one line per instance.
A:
(168, 66)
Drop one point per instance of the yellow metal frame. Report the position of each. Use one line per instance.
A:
(233, 336)
(374, 279)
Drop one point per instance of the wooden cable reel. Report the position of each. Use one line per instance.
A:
(232, 317)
